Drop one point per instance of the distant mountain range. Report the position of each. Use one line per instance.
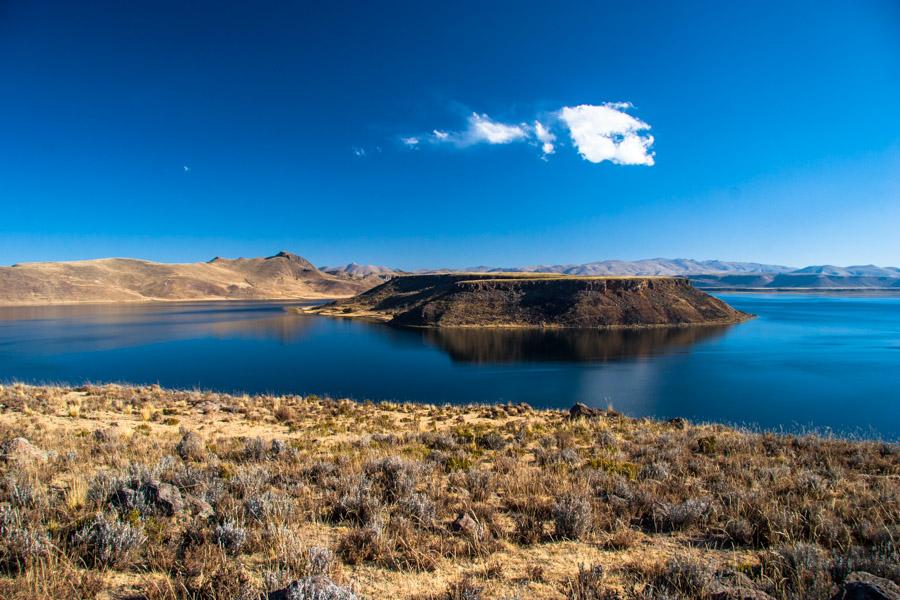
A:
(288, 276)
(652, 266)
(357, 271)
(708, 274)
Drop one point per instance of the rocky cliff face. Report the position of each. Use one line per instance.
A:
(517, 300)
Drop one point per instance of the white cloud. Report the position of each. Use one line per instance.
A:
(602, 132)
(606, 132)
(359, 152)
(545, 136)
(483, 129)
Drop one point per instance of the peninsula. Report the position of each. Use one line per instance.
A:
(534, 300)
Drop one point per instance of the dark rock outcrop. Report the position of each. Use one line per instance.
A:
(153, 496)
(580, 410)
(165, 496)
(860, 585)
(533, 300)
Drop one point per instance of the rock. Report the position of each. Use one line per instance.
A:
(164, 496)
(20, 451)
(860, 585)
(199, 508)
(102, 436)
(724, 592)
(310, 588)
(583, 410)
(191, 447)
(678, 423)
(707, 444)
(125, 498)
(465, 524)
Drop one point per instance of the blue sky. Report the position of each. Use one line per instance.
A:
(179, 131)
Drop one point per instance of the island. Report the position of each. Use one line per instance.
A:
(512, 300)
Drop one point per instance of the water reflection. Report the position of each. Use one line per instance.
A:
(530, 345)
(93, 327)
(285, 328)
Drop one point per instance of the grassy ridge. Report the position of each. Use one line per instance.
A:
(143, 492)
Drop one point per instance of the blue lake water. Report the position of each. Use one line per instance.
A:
(807, 361)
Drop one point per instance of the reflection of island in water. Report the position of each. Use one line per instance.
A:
(573, 345)
(284, 328)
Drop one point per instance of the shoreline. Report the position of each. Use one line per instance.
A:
(38, 304)
(163, 301)
(382, 318)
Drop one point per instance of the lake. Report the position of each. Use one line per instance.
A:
(807, 361)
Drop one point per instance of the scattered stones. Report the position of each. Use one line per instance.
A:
(20, 451)
(318, 586)
(860, 585)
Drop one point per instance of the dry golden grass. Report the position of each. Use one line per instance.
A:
(422, 502)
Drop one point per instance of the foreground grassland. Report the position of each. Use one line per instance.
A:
(139, 492)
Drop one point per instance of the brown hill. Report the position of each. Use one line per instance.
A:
(283, 276)
(535, 300)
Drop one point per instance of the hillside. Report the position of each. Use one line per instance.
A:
(282, 276)
(532, 300)
(139, 492)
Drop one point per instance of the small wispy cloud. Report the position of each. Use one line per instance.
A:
(599, 133)
(360, 152)
(545, 137)
(481, 129)
(186, 168)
